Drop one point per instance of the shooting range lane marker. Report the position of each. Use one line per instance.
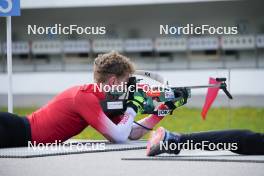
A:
(12, 8)
(9, 62)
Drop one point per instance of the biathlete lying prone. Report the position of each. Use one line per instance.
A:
(68, 113)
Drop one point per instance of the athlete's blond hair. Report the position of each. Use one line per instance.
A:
(112, 63)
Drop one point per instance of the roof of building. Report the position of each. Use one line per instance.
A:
(31, 4)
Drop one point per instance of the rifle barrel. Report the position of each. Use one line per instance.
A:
(204, 86)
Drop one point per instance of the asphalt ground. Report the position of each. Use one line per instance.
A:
(135, 162)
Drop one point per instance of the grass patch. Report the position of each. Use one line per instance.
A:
(189, 120)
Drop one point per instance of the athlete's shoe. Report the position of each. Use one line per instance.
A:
(154, 145)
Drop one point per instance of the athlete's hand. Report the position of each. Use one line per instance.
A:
(180, 102)
(181, 96)
(137, 103)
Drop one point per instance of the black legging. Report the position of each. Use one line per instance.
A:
(248, 142)
(14, 130)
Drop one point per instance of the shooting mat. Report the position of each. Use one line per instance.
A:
(202, 156)
(92, 147)
(191, 156)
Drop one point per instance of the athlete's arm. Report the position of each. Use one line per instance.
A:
(137, 131)
(88, 106)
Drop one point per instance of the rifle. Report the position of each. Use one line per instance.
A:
(159, 94)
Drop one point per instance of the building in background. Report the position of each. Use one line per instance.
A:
(132, 28)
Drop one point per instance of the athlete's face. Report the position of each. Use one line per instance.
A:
(113, 80)
(118, 84)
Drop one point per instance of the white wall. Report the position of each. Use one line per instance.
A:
(242, 81)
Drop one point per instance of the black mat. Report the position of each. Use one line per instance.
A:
(29, 152)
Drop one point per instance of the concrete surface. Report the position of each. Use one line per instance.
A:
(111, 163)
